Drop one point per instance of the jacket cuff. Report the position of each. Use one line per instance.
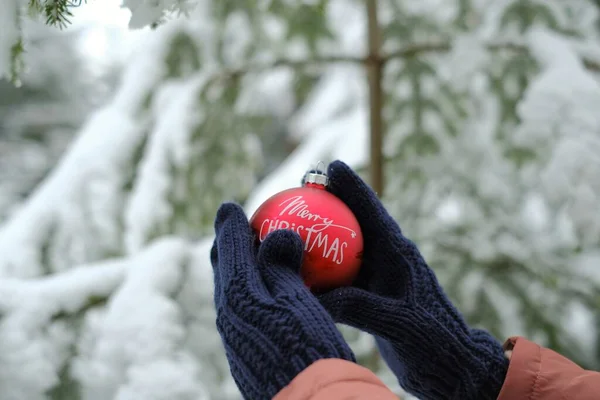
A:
(333, 379)
(523, 370)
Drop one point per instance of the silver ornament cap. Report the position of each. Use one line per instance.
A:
(316, 176)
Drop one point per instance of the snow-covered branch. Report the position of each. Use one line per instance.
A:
(65, 293)
(135, 350)
(131, 346)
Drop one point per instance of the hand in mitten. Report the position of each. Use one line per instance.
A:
(272, 327)
(397, 298)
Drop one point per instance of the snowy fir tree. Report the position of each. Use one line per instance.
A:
(488, 115)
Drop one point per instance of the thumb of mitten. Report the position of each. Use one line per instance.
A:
(279, 261)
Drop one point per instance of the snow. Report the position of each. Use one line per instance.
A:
(550, 49)
(138, 15)
(32, 342)
(143, 344)
(342, 91)
(196, 299)
(560, 109)
(332, 125)
(103, 26)
(342, 14)
(136, 349)
(149, 203)
(65, 292)
(342, 138)
(152, 334)
(582, 324)
(145, 12)
(274, 88)
(65, 196)
(467, 58)
(54, 199)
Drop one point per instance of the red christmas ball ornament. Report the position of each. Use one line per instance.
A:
(333, 242)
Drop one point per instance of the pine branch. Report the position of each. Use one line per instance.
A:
(57, 12)
(227, 74)
(234, 73)
(442, 47)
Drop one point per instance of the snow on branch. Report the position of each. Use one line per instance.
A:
(67, 292)
(34, 341)
(559, 118)
(149, 203)
(131, 347)
(139, 168)
(74, 216)
(135, 350)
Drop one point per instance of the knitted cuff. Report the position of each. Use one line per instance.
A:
(433, 362)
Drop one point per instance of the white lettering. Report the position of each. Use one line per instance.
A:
(334, 248)
(316, 237)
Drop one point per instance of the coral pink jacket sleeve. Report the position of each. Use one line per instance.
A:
(534, 373)
(537, 373)
(334, 379)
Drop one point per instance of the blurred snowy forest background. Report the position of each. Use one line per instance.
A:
(117, 146)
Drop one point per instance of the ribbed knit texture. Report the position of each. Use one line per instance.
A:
(271, 326)
(396, 297)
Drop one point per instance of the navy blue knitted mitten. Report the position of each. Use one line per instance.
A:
(397, 298)
(272, 327)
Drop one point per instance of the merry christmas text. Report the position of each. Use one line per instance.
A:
(315, 233)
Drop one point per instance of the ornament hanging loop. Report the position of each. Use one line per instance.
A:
(320, 170)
